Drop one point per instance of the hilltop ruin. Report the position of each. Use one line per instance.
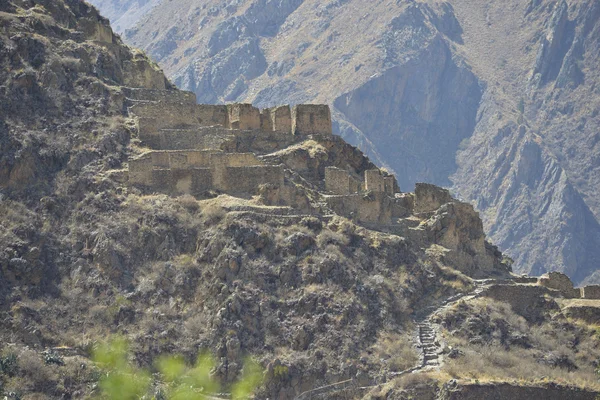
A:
(197, 148)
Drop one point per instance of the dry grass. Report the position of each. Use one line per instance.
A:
(493, 362)
(490, 363)
(189, 202)
(396, 351)
(212, 213)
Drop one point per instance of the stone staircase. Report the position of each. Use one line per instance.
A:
(429, 345)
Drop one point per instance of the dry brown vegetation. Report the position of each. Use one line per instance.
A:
(496, 344)
(396, 350)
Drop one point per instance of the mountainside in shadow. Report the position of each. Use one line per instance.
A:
(498, 101)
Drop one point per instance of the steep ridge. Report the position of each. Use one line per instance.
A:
(458, 93)
(292, 268)
(129, 210)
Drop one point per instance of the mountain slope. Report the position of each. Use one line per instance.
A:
(328, 307)
(496, 100)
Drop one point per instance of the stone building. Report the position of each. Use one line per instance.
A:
(199, 147)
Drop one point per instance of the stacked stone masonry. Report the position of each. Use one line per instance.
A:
(372, 200)
(591, 292)
(561, 282)
(199, 147)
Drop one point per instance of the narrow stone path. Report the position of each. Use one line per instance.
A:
(429, 345)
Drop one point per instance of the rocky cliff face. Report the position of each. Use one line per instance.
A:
(496, 101)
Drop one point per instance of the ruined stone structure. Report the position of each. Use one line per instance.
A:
(311, 119)
(372, 200)
(196, 148)
(196, 171)
(561, 282)
(591, 292)
(199, 147)
(429, 197)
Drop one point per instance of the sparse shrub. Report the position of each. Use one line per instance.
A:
(189, 202)
(39, 375)
(327, 237)
(8, 365)
(212, 213)
(50, 357)
(397, 350)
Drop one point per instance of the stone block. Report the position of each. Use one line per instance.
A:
(591, 292)
(243, 116)
(311, 119)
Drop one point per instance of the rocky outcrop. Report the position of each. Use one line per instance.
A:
(422, 95)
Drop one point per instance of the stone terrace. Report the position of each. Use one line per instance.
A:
(197, 147)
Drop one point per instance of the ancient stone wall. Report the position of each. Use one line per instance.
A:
(162, 96)
(561, 282)
(311, 119)
(263, 142)
(140, 170)
(281, 118)
(194, 171)
(374, 181)
(373, 208)
(204, 137)
(430, 197)
(590, 292)
(248, 179)
(391, 185)
(192, 181)
(152, 116)
(138, 72)
(337, 181)
(190, 138)
(243, 116)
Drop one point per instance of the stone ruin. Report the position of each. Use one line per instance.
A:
(196, 148)
(370, 198)
(561, 282)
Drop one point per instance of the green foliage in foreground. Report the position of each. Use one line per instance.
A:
(179, 381)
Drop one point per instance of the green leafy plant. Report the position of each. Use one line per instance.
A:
(187, 383)
(121, 379)
(177, 379)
